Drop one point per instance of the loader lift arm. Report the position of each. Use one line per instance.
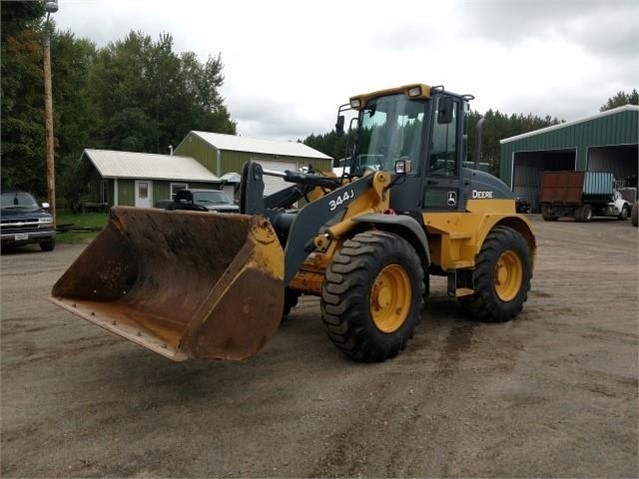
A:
(297, 230)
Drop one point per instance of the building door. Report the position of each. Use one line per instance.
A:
(143, 193)
(528, 169)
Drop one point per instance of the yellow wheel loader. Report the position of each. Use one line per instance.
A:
(190, 284)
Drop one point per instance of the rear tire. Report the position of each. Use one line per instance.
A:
(502, 277)
(546, 215)
(372, 296)
(634, 215)
(586, 213)
(48, 245)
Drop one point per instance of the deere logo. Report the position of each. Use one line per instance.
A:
(482, 194)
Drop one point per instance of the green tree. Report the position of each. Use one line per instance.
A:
(329, 143)
(74, 113)
(22, 125)
(18, 17)
(135, 94)
(23, 142)
(621, 99)
(498, 126)
(148, 97)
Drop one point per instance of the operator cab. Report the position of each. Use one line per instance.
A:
(416, 131)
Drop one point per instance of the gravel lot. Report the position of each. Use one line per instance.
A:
(552, 394)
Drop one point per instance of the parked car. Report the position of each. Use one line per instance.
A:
(23, 221)
(203, 200)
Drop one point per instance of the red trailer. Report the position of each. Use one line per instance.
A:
(581, 195)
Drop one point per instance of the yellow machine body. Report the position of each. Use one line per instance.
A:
(454, 238)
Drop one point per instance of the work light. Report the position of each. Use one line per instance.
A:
(414, 91)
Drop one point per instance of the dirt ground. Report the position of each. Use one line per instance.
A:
(552, 394)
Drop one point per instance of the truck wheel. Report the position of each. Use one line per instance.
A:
(634, 216)
(546, 215)
(625, 212)
(48, 245)
(586, 213)
(501, 277)
(372, 295)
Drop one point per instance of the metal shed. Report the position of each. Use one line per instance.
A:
(142, 179)
(222, 154)
(607, 141)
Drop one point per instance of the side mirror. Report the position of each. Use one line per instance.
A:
(339, 126)
(445, 110)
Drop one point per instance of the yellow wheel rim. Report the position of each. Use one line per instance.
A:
(509, 275)
(391, 297)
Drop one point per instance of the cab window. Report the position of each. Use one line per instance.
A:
(443, 153)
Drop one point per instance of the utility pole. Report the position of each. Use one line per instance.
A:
(51, 6)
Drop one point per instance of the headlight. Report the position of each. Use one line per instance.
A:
(46, 219)
(402, 167)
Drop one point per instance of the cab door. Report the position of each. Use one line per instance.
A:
(441, 186)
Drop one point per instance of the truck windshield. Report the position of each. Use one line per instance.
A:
(18, 201)
(212, 197)
(390, 129)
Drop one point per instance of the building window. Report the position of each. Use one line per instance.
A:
(175, 187)
(143, 190)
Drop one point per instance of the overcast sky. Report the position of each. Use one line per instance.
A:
(289, 64)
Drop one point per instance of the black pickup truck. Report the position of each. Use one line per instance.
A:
(23, 221)
(203, 200)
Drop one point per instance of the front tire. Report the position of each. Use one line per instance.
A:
(501, 278)
(372, 295)
(48, 245)
(625, 213)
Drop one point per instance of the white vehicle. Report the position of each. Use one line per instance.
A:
(582, 195)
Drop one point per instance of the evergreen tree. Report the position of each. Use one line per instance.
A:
(621, 99)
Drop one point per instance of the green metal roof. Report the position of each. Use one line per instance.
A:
(619, 126)
(251, 145)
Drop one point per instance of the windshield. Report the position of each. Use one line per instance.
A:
(18, 201)
(390, 129)
(212, 197)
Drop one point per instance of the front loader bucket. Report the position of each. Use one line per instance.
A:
(185, 284)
